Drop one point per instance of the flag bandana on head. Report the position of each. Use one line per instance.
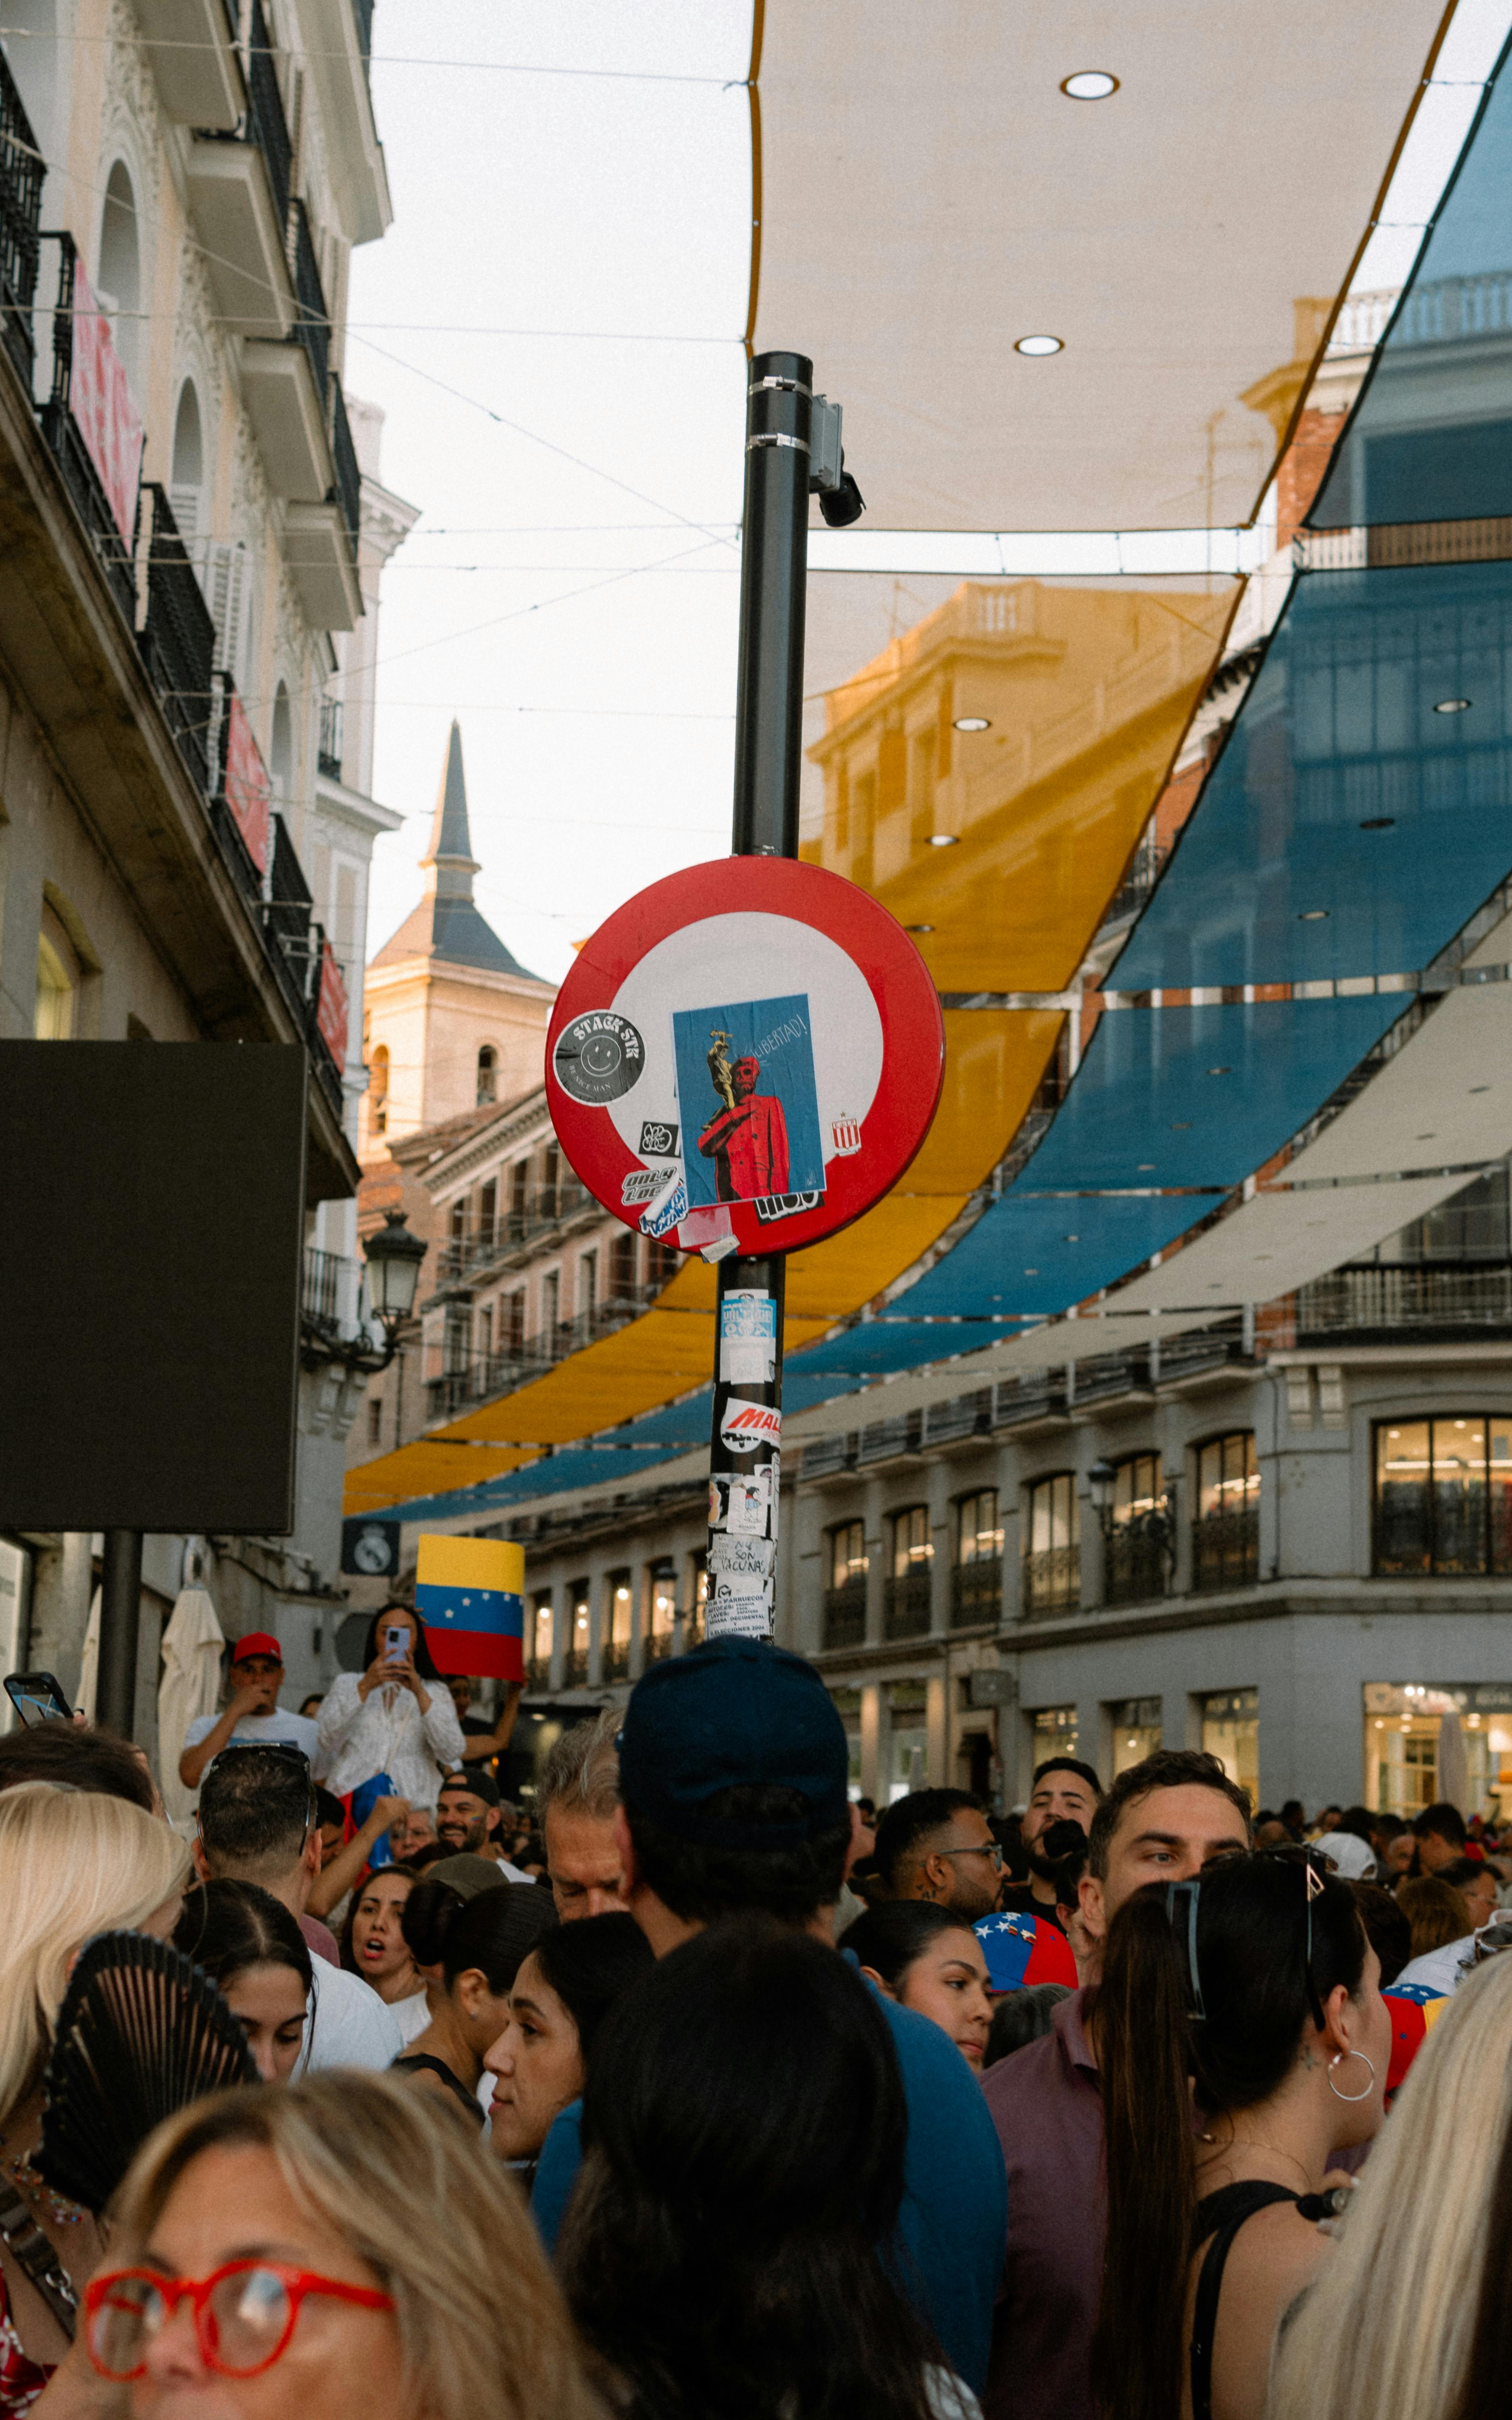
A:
(468, 1597)
(1414, 2010)
(1020, 1949)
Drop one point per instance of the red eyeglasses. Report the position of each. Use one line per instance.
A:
(245, 2314)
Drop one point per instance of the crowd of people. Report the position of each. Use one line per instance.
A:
(703, 2093)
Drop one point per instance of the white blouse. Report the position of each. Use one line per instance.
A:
(386, 1732)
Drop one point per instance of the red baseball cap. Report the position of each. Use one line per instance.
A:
(257, 1642)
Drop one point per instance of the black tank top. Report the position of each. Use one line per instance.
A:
(1221, 2215)
(453, 2082)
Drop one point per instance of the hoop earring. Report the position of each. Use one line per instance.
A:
(1351, 2096)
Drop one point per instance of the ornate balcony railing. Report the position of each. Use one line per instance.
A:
(178, 638)
(976, 1593)
(267, 125)
(1226, 1549)
(615, 1660)
(906, 1604)
(1137, 1561)
(1367, 1298)
(20, 221)
(575, 1668)
(1053, 1580)
(845, 1615)
(66, 442)
(312, 329)
(347, 492)
(332, 737)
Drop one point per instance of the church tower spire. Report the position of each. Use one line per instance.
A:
(449, 860)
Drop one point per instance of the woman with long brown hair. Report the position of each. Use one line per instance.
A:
(1241, 2039)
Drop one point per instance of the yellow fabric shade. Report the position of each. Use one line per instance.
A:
(926, 196)
(427, 1468)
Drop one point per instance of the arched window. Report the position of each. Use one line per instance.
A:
(120, 286)
(488, 1074)
(186, 483)
(377, 1094)
(281, 753)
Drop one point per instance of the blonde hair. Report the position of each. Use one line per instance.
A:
(75, 1863)
(482, 2323)
(1388, 2327)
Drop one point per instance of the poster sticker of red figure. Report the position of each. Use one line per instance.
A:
(748, 1099)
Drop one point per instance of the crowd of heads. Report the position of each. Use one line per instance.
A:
(769, 2071)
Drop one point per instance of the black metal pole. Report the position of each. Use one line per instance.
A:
(745, 1457)
(120, 1610)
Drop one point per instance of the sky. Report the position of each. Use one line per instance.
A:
(551, 326)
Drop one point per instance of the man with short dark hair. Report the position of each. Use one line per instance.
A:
(733, 1774)
(938, 1845)
(77, 1757)
(1439, 1832)
(467, 1817)
(1064, 1792)
(257, 1823)
(1162, 1821)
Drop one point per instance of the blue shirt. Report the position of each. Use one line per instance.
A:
(954, 2219)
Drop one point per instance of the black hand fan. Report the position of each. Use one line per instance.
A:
(142, 2033)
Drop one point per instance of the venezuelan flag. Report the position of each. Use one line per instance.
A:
(1020, 1949)
(1415, 2010)
(469, 1596)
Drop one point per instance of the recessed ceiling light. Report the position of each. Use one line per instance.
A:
(1180, 1126)
(971, 723)
(1147, 1168)
(943, 840)
(1445, 705)
(1089, 83)
(1312, 916)
(1220, 1071)
(1037, 347)
(919, 929)
(1378, 823)
(1028, 1273)
(1073, 1239)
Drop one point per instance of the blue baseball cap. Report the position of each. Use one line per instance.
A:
(735, 1714)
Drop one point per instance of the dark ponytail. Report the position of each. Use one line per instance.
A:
(494, 1932)
(1251, 1979)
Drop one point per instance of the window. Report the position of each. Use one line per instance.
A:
(550, 1180)
(1055, 1732)
(1139, 1535)
(1443, 1494)
(511, 1325)
(661, 1595)
(977, 1574)
(456, 1339)
(622, 1269)
(906, 1609)
(848, 1707)
(58, 975)
(119, 287)
(576, 1666)
(908, 1738)
(1052, 1563)
(845, 1585)
(456, 1224)
(186, 480)
(661, 1263)
(280, 771)
(375, 1420)
(488, 1075)
(377, 1094)
(484, 1338)
(520, 1177)
(489, 1215)
(1135, 1726)
(539, 1674)
(550, 1304)
(587, 1286)
(1403, 1726)
(1226, 1535)
(1231, 1732)
(616, 1660)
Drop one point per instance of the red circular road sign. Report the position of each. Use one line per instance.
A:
(744, 1057)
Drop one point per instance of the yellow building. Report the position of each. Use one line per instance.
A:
(451, 1020)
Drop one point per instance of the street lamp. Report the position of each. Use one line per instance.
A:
(1101, 1480)
(394, 1258)
(1154, 1528)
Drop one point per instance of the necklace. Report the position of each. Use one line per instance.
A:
(57, 2207)
(1254, 2143)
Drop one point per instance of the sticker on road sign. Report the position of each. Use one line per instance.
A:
(748, 1310)
(641, 1184)
(741, 1508)
(598, 1058)
(667, 1207)
(788, 1054)
(745, 1426)
(734, 1554)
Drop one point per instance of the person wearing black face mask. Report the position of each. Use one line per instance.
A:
(1064, 1798)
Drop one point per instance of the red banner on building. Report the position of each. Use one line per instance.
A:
(247, 786)
(331, 1009)
(100, 402)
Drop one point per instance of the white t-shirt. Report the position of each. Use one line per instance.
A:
(1441, 1970)
(412, 2015)
(298, 1730)
(347, 2024)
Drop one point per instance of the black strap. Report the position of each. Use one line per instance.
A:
(1220, 2216)
(453, 2082)
(35, 2256)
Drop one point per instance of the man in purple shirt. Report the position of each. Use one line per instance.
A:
(1161, 1820)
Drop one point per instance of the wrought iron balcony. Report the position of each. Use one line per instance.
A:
(21, 219)
(1137, 1559)
(977, 1593)
(1226, 1549)
(66, 442)
(658, 1646)
(178, 638)
(331, 1296)
(332, 735)
(538, 1672)
(312, 329)
(845, 1615)
(476, 1378)
(347, 492)
(1399, 1297)
(1053, 1580)
(575, 1668)
(906, 1604)
(267, 125)
(614, 1661)
(540, 1208)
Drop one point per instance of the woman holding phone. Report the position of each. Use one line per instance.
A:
(394, 1718)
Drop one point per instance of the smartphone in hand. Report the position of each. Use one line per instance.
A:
(395, 1643)
(37, 1699)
